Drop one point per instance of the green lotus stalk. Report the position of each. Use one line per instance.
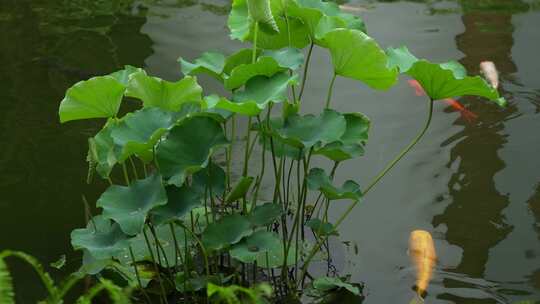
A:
(369, 187)
(330, 89)
(201, 246)
(305, 73)
(163, 297)
(137, 276)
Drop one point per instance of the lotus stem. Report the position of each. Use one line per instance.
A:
(304, 75)
(126, 176)
(330, 89)
(138, 276)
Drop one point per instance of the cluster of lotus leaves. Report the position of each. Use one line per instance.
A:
(178, 129)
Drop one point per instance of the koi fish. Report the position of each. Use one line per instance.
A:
(466, 114)
(423, 256)
(488, 69)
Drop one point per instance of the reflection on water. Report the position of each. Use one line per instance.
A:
(491, 199)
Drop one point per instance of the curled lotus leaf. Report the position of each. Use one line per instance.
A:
(242, 28)
(97, 97)
(180, 201)
(321, 228)
(313, 12)
(274, 256)
(309, 130)
(226, 231)
(103, 154)
(265, 214)
(101, 239)
(255, 245)
(91, 265)
(188, 147)
(122, 76)
(138, 132)
(156, 92)
(357, 56)
(240, 189)
(318, 180)
(351, 144)
(444, 80)
(243, 56)
(211, 63)
(259, 11)
(266, 66)
(167, 251)
(129, 205)
(261, 90)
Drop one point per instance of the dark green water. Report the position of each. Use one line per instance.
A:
(474, 185)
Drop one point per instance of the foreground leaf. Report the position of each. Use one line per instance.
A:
(265, 66)
(309, 130)
(351, 143)
(102, 151)
(129, 205)
(188, 147)
(97, 97)
(260, 12)
(122, 76)
(7, 295)
(321, 228)
(102, 241)
(356, 55)
(326, 284)
(255, 245)
(211, 179)
(240, 189)
(318, 180)
(290, 58)
(180, 201)
(156, 92)
(226, 231)
(265, 214)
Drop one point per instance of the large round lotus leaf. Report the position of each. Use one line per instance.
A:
(265, 214)
(102, 151)
(101, 238)
(179, 202)
(97, 97)
(139, 131)
(242, 28)
(156, 92)
(290, 58)
(255, 245)
(356, 55)
(226, 231)
(311, 12)
(211, 63)
(188, 147)
(309, 130)
(209, 179)
(260, 90)
(166, 241)
(318, 180)
(129, 205)
(250, 108)
(444, 80)
(266, 66)
(122, 76)
(351, 144)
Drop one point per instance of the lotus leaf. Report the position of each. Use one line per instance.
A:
(351, 144)
(318, 180)
(356, 55)
(265, 214)
(188, 147)
(180, 201)
(97, 97)
(226, 231)
(101, 238)
(255, 245)
(156, 92)
(309, 130)
(211, 63)
(129, 205)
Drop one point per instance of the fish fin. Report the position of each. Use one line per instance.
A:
(417, 300)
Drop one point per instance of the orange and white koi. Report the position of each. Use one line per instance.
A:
(456, 105)
(488, 69)
(424, 258)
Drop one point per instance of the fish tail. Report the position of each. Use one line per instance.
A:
(417, 299)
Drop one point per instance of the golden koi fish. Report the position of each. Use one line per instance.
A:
(423, 256)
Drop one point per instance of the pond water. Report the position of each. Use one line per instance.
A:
(475, 185)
